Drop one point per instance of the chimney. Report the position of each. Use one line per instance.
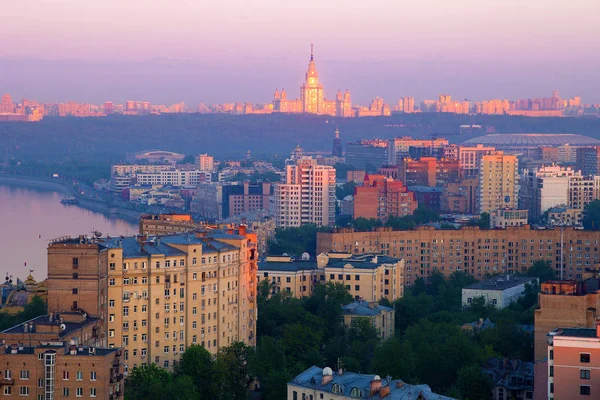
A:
(326, 379)
(141, 239)
(242, 230)
(384, 391)
(375, 385)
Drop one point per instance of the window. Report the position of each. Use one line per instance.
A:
(166, 349)
(79, 376)
(111, 282)
(584, 390)
(7, 374)
(584, 358)
(551, 356)
(356, 393)
(92, 375)
(92, 392)
(75, 291)
(24, 390)
(551, 373)
(65, 392)
(111, 303)
(194, 276)
(7, 390)
(24, 374)
(494, 301)
(126, 311)
(584, 374)
(337, 388)
(65, 375)
(41, 381)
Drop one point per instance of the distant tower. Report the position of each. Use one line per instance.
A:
(6, 104)
(297, 153)
(337, 144)
(311, 91)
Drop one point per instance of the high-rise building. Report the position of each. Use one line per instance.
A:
(428, 171)
(337, 145)
(174, 177)
(312, 98)
(398, 148)
(6, 104)
(498, 182)
(460, 197)
(109, 108)
(470, 159)
(588, 160)
(307, 196)
(157, 296)
(380, 197)
(217, 201)
(206, 162)
(544, 188)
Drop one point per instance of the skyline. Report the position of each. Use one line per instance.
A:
(107, 51)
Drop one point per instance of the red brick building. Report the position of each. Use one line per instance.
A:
(381, 197)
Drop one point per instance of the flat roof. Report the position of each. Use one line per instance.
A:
(500, 283)
(44, 320)
(358, 261)
(575, 332)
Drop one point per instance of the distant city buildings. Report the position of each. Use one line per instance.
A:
(380, 198)
(498, 182)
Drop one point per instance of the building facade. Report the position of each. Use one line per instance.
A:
(499, 292)
(366, 276)
(398, 148)
(382, 197)
(157, 296)
(379, 317)
(498, 182)
(174, 177)
(307, 196)
(474, 251)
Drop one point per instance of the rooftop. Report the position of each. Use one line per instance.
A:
(50, 325)
(291, 264)
(60, 347)
(508, 140)
(359, 385)
(510, 374)
(500, 283)
(364, 308)
(575, 332)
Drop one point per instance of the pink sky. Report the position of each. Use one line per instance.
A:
(244, 49)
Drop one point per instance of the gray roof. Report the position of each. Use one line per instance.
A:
(576, 332)
(282, 266)
(512, 140)
(510, 374)
(359, 261)
(500, 283)
(399, 390)
(45, 320)
(362, 308)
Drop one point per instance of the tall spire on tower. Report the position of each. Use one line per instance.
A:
(312, 45)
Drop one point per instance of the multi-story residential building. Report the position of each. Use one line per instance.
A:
(366, 276)
(157, 296)
(379, 317)
(206, 162)
(382, 197)
(218, 201)
(134, 169)
(323, 383)
(57, 369)
(588, 160)
(174, 177)
(544, 188)
(460, 197)
(498, 182)
(564, 216)
(477, 252)
(470, 159)
(508, 217)
(573, 363)
(365, 154)
(307, 196)
(583, 190)
(398, 148)
(427, 171)
(498, 292)
(511, 379)
(406, 105)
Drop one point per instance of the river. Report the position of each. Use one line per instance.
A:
(29, 218)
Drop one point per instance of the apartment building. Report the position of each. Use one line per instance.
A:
(56, 369)
(380, 197)
(366, 276)
(323, 383)
(574, 363)
(134, 169)
(217, 201)
(498, 182)
(428, 171)
(156, 296)
(588, 160)
(470, 159)
(398, 148)
(307, 196)
(174, 177)
(379, 317)
(545, 187)
(477, 252)
(460, 197)
(206, 162)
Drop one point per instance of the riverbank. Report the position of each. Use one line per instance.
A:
(71, 191)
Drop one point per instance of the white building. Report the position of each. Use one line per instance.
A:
(174, 178)
(499, 292)
(508, 217)
(544, 188)
(307, 196)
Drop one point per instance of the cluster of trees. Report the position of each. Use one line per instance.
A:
(591, 216)
(34, 308)
(198, 375)
(422, 215)
(296, 240)
(483, 222)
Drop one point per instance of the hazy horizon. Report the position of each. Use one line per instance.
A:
(216, 52)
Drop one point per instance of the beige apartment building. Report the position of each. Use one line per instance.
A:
(469, 249)
(368, 277)
(498, 182)
(380, 317)
(158, 295)
(307, 196)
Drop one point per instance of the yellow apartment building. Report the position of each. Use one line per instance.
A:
(381, 317)
(369, 277)
(157, 295)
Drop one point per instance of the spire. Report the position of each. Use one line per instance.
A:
(312, 45)
(337, 132)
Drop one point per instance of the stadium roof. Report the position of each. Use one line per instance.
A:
(511, 140)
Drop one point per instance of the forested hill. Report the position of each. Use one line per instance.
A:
(109, 138)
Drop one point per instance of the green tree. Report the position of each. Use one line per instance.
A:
(196, 362)
(395, 358)
(188, 159)
(484, 221)
(231, 369)
(361, 224)
(344, 190)
(542, 270)
(147, 382)
(591, 216)
(182, 388)
(473, 384)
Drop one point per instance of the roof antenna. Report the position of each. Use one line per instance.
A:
(312, 45)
